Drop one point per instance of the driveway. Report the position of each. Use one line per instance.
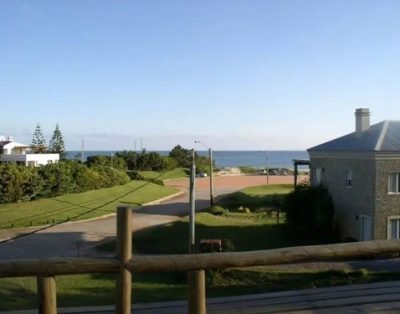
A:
(78, 238)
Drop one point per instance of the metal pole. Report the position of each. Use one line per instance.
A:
(267, 168)
(82, 149)
(192, 207)
(211, 177)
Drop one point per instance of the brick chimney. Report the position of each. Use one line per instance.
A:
(362, 119)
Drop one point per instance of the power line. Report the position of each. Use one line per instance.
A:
(77, 216)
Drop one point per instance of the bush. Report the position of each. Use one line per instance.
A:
(309, 213)
(134, 175)
(218, 210)
(21, 183)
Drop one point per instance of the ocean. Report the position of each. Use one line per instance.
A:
(256, 159)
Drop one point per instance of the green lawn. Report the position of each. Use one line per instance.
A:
(256, 198)
(168, 175)
(81, 205)
(246, 231)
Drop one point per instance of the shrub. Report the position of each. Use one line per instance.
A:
(309, 213)
(217, 210)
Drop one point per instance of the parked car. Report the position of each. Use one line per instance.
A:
(273, 172)
(283, 172)
(262, 171)
(201, 174)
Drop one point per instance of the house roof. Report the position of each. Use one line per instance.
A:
(3, 143)
(15, 144)
(380, 137)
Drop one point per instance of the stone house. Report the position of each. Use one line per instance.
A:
(361, 170)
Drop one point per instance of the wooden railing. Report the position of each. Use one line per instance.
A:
(195, 264)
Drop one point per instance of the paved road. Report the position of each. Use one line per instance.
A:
(77, 239)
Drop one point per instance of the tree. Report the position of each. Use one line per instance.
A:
(182, 156)
(38, 142)
(56, 144)
(310, 214)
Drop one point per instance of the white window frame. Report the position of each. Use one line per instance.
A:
(389, 226)
(397, 183)
(349, 178)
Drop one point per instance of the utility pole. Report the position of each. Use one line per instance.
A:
(192, 215)
(211, 178)
(267, 167)
(82, 149)
(211, 171)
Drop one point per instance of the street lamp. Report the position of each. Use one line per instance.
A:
(211, 170)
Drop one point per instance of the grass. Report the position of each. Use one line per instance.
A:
(81, 205)
(256, 198)
(246, 231)
(168, 175)
(95, 289)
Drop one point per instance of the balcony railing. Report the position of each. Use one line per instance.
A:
(195, 264)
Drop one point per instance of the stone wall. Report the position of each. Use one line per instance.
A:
(350, 202)
(386, 204)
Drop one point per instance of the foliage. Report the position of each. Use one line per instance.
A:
(20, 183)
(217, 210)
(106, 161)
(309, 213)
(38, 142)
(182, 156)
(56, 144)
(143, 161)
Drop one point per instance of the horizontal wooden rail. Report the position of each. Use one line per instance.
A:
(188, 262)
(167, 263)
(58, 266)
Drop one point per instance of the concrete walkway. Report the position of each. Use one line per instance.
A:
(381, 297)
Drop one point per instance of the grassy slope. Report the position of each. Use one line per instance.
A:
(168, 175)
(81, 205)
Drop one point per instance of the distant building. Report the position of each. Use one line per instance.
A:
(13, 152)
(362, 173)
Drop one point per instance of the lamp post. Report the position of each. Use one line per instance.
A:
(211, 170)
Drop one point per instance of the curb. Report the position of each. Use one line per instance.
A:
(4, 233)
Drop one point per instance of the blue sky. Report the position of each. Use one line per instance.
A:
(234, 74)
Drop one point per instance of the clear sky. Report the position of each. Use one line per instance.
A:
(235, 74)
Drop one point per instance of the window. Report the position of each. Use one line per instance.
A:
(349, 178)
(318, 175)
(394, 228)
(394, 183)
(366, 228)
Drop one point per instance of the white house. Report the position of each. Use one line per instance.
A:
(14, 152)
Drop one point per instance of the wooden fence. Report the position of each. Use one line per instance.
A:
(194, 264)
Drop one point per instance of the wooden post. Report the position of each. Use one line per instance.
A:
(124, 254)
(197, 292)
(47, 294)
(295, 174)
